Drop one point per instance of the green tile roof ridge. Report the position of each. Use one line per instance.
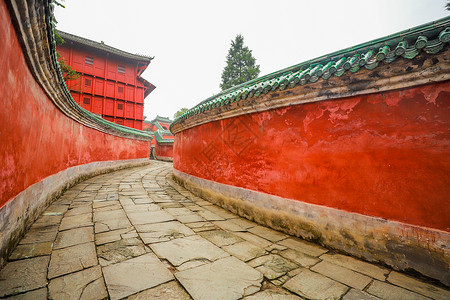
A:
(162, 119)
(158, 134)
(103, 47)
(429, 37)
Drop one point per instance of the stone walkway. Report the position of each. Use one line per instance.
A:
(135, 234)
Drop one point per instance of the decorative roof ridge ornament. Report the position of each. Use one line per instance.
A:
(429, 38)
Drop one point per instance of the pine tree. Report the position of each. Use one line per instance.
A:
(240, 65)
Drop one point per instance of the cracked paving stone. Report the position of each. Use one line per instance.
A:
(135, 275)
(139, 218)
(272, 295)
(121, 250)
(244, 250)
(114, 235)
(418, 286)
(268, 234)
(74, 237)
(315, 286)
(31, 250)
(190, 218)
(162, 232)
(188, 252)
(45, 221)
(388, 291)
(178, 211)
(85, 209)
(142, 208)
(76, 221)
(358, 295)
(39, 235)
(343, 275)
(210, 216)
(272, 266)
(72, 259)
(85, 284)
(348, 262)
(23, 275)
(39, 294)
(105, 203)
(303, 246)
(227, 278)
(170, 290)
(228, 225)
(299, 257)
(220, 238)
(254, 239)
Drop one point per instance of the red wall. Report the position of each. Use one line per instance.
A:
(384, 155)
(36, 139)
(117, 97)
(164, 150)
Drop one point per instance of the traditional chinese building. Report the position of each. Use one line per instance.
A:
(162, 147)
(110, 82)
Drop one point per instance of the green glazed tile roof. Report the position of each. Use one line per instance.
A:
(429, 38)
(158, 134)
(162, 119)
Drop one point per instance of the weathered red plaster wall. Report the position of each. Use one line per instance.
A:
(384, 155)
(164, 150)
(36, 139)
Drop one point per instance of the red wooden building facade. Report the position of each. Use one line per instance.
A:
(109, 84)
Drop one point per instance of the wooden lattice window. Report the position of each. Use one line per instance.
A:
(88, 60)
(87, 82)
(120, 106)
(120, 88)
(86, 101)
(121, 69)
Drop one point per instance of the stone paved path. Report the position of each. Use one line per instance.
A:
(135, 234)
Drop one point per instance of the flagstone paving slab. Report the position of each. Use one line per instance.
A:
(139, 218)
(23, 275)
(348, 262)
(39, 235)
(388, 291)
(194, 250)
(76, 221)
(31, 250)
(161, 232)
(136, 234)
(303, 259)
(343, 275)
(85, 284)
(74, 237)
(244, 250)
(220, 238)
(39, 294)
(213, 280)
(272, 295)
(135, 275)
(170, 290)
(315, 286)
(72, 259)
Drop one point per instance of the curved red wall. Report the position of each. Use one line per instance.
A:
(36, 139)
(385, 155)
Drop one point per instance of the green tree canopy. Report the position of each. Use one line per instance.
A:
(240, 65)
(180, 112)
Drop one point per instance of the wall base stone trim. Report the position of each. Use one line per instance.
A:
(401, 246)
(18, 214)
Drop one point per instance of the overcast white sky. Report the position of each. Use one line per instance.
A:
(190, 39)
